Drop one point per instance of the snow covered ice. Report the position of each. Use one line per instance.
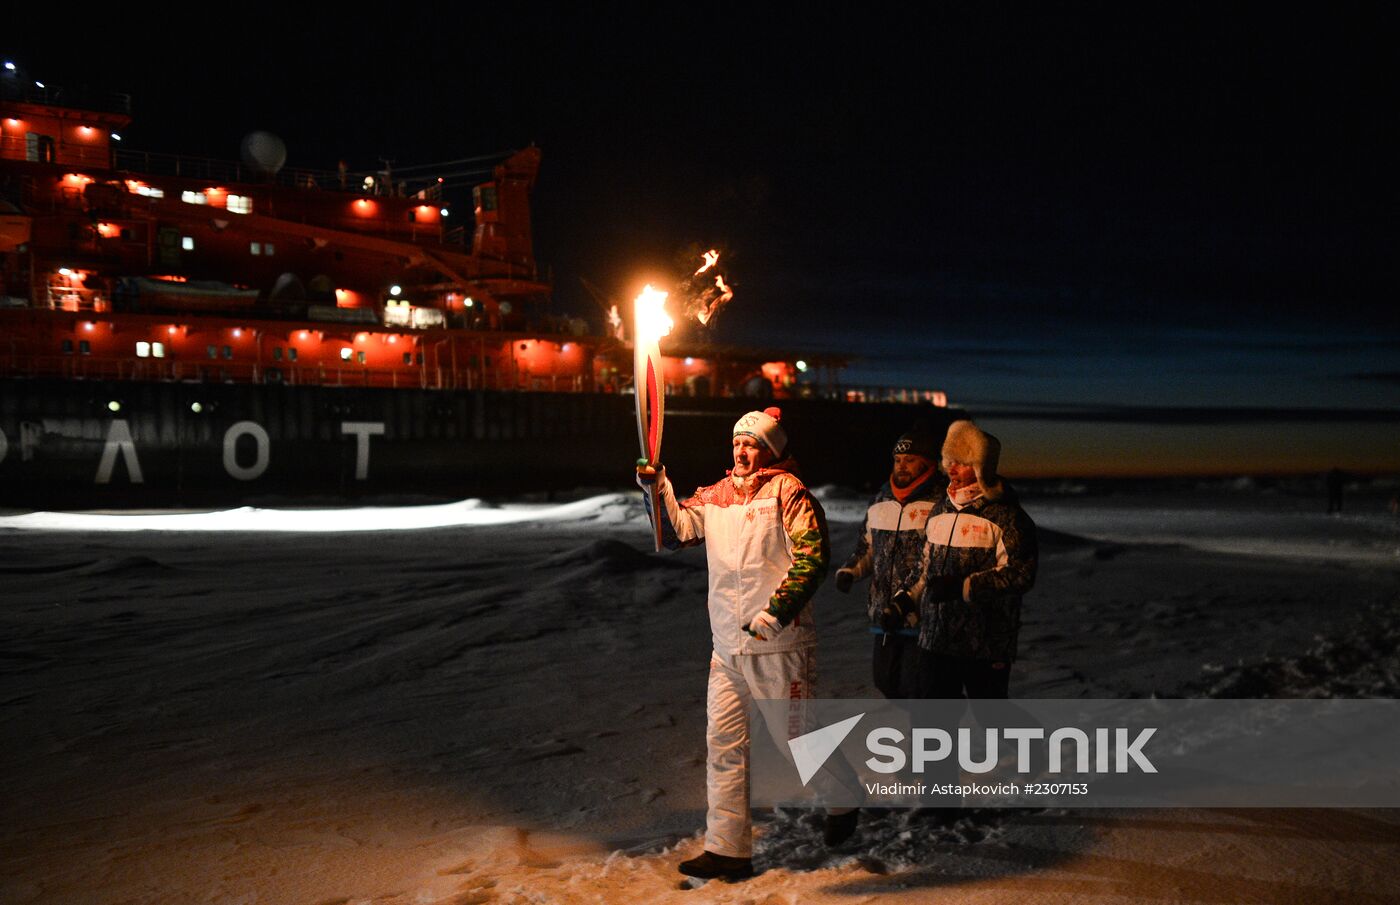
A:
(476, 703)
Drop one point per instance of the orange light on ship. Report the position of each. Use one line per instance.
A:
(365, 207)
(109, 230)
(778, 373)
(76, 180)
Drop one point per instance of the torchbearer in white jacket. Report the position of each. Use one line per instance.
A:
(766, 543)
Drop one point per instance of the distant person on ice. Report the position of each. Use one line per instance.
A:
(766, 543)
(1336, 483)
(890, 553)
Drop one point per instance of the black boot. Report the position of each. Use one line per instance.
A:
(709, 866)
(839, 827)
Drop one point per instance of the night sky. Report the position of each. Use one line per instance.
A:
(1132, 239)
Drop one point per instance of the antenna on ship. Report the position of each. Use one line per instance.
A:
(609, 304)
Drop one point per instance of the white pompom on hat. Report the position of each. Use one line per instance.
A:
(968, 444)
(764, 427)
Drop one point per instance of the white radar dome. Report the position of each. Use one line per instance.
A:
(264, 152)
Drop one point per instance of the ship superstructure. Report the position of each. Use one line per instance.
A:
(155, 308)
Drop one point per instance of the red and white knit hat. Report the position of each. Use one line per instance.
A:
(764, 427)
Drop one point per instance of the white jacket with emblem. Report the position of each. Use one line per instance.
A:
(766, 543)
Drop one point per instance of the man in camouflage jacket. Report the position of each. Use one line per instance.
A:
(979, 559)
(890, 553)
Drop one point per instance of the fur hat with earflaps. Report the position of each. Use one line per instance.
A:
(968, 444)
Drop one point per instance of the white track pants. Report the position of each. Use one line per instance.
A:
(735, 681)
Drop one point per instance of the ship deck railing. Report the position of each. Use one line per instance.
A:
(896, 394)
(72, 298)
(153, 163)
(157, 164)
(73, 154)
(77, 365)
(28, 92)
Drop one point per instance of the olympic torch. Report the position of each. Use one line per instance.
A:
(651, 322)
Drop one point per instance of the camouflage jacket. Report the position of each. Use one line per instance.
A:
(891, 546)
(992, 542)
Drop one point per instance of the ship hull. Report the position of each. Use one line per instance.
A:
(130, 444)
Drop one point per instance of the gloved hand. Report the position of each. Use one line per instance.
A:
(900, 612)
(944, 588)
(647, 475)
(765, 626)
(844, 579)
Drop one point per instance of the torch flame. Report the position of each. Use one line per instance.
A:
(651, 318)
(710, 257)
(707, 309)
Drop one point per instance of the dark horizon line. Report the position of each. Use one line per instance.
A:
(1147, 414)
(1038, 481)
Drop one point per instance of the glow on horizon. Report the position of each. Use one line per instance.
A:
(1035, 448)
